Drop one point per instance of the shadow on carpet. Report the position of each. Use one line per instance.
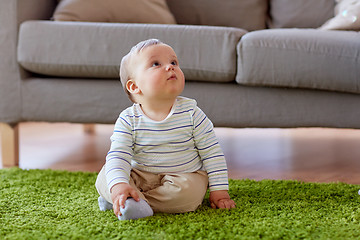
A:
(47, 204)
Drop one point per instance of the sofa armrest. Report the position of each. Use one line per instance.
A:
(12, 14)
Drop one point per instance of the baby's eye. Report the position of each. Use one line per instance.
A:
(174, 63)
(155, 64)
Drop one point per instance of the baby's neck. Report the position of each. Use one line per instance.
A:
(158, 111)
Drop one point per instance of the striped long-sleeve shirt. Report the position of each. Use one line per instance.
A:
(183, 142)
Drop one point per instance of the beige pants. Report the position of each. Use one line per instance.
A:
(167, 193)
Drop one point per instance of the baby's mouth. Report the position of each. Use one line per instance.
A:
(172, 77)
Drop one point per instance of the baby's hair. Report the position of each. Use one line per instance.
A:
(125, 73)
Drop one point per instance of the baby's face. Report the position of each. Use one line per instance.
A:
(157, 74)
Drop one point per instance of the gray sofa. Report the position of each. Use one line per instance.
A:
(242, 74)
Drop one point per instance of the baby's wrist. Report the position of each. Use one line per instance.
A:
(118, 185)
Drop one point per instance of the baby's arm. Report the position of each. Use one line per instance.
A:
(221, 199)
(214, 161)
(119, 193)
(118, 164)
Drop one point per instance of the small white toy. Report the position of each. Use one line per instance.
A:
(359, 192)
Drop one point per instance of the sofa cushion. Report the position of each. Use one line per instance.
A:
(347, 16)
(300, 13)
(127, 11)
(301, 58)
(81, 49)
(246, 14)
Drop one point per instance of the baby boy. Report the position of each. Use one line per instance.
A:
(164, 154)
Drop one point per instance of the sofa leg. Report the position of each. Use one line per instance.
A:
(9, 145)
(89, 128)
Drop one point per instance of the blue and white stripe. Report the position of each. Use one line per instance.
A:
(183, 142)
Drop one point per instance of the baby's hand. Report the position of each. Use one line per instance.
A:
(119, 193)
(221, 199)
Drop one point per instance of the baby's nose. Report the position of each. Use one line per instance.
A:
(169, 67)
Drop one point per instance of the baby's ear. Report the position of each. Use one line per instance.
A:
(132, 87)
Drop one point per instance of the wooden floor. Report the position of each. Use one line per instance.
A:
(313, 154)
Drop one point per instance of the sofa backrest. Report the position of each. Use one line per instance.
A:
(83, 50)
(253, 14)
(246, 14)
(300, 13)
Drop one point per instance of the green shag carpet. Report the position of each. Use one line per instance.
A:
(47, 204)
